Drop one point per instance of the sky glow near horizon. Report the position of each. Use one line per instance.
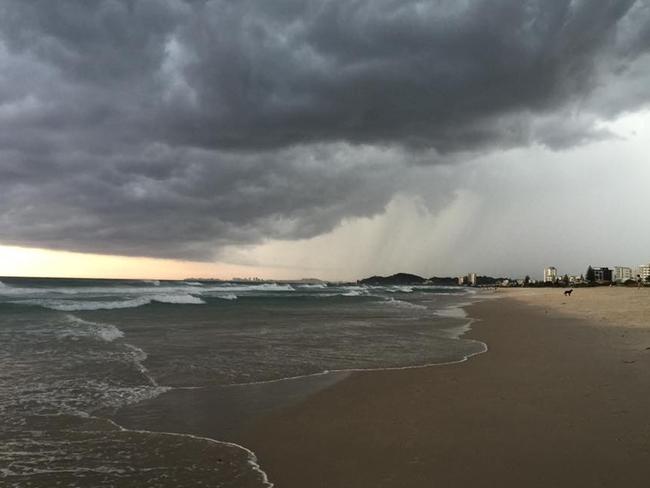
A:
(323, 151)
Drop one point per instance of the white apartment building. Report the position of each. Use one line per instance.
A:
(550, 274)
(468, 279)
(471, 278)
(623, 273)
(644, 271)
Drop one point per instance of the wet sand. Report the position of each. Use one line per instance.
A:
(556, 402)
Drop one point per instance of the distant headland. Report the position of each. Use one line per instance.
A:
(411, 279)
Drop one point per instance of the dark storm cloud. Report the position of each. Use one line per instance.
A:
(172, 128)
(187, 202)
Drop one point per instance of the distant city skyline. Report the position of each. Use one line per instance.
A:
(21, 262)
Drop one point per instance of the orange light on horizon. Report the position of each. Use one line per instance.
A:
(33, 262)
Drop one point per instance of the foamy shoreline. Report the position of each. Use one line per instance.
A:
(330, 378)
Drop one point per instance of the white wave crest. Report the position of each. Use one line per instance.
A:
(192, 283)
(74, 306)
(243, 288)
(86, 328)
(177, 298)
(153, 282)
(352, 293)
(228, 296)
(400, 289)
(453, 312)
(404, 304)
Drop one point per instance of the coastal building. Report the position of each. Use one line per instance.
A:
(468, 279)
(550, 274)
(644, 271)
(622, 273)
(575, 279)
(602, 274)
(471, 279)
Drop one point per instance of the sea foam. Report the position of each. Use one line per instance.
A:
(456, 311)
(227, 296)
(73, 306)
(400, 289)
(352, 293)
(183, 299)
(405, 304)
(243, 288)
(86, 328)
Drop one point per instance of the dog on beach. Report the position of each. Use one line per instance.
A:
(567, 293)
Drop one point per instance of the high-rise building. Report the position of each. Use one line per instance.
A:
(644, 271)
(468, 279)
(471, 278)
(622, 273)
(602, 274)
(550, 274)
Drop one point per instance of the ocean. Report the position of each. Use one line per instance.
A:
(126, 383)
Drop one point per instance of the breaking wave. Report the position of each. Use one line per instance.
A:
(404, 304)
(400, 289)
(86, 328)
(353, 293)
(73, 306)
(228, 296)
(182, 299)
(457, 311)
(261, 287)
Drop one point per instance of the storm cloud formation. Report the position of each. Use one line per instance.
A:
(174, 128)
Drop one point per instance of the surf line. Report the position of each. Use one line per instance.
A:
(467, 327)
(253, 462)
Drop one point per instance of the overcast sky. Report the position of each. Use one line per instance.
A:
(329, 138)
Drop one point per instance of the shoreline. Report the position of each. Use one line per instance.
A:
(376, 427)
(182, 411)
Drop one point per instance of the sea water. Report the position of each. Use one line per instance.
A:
(86, 367)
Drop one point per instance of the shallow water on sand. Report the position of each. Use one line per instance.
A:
(190, 358)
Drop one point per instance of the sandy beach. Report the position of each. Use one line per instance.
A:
(561, 399)
(604, 306)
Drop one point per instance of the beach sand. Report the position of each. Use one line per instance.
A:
(604, 305)
(557, 401)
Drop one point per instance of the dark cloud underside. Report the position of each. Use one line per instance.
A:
(171, 128)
